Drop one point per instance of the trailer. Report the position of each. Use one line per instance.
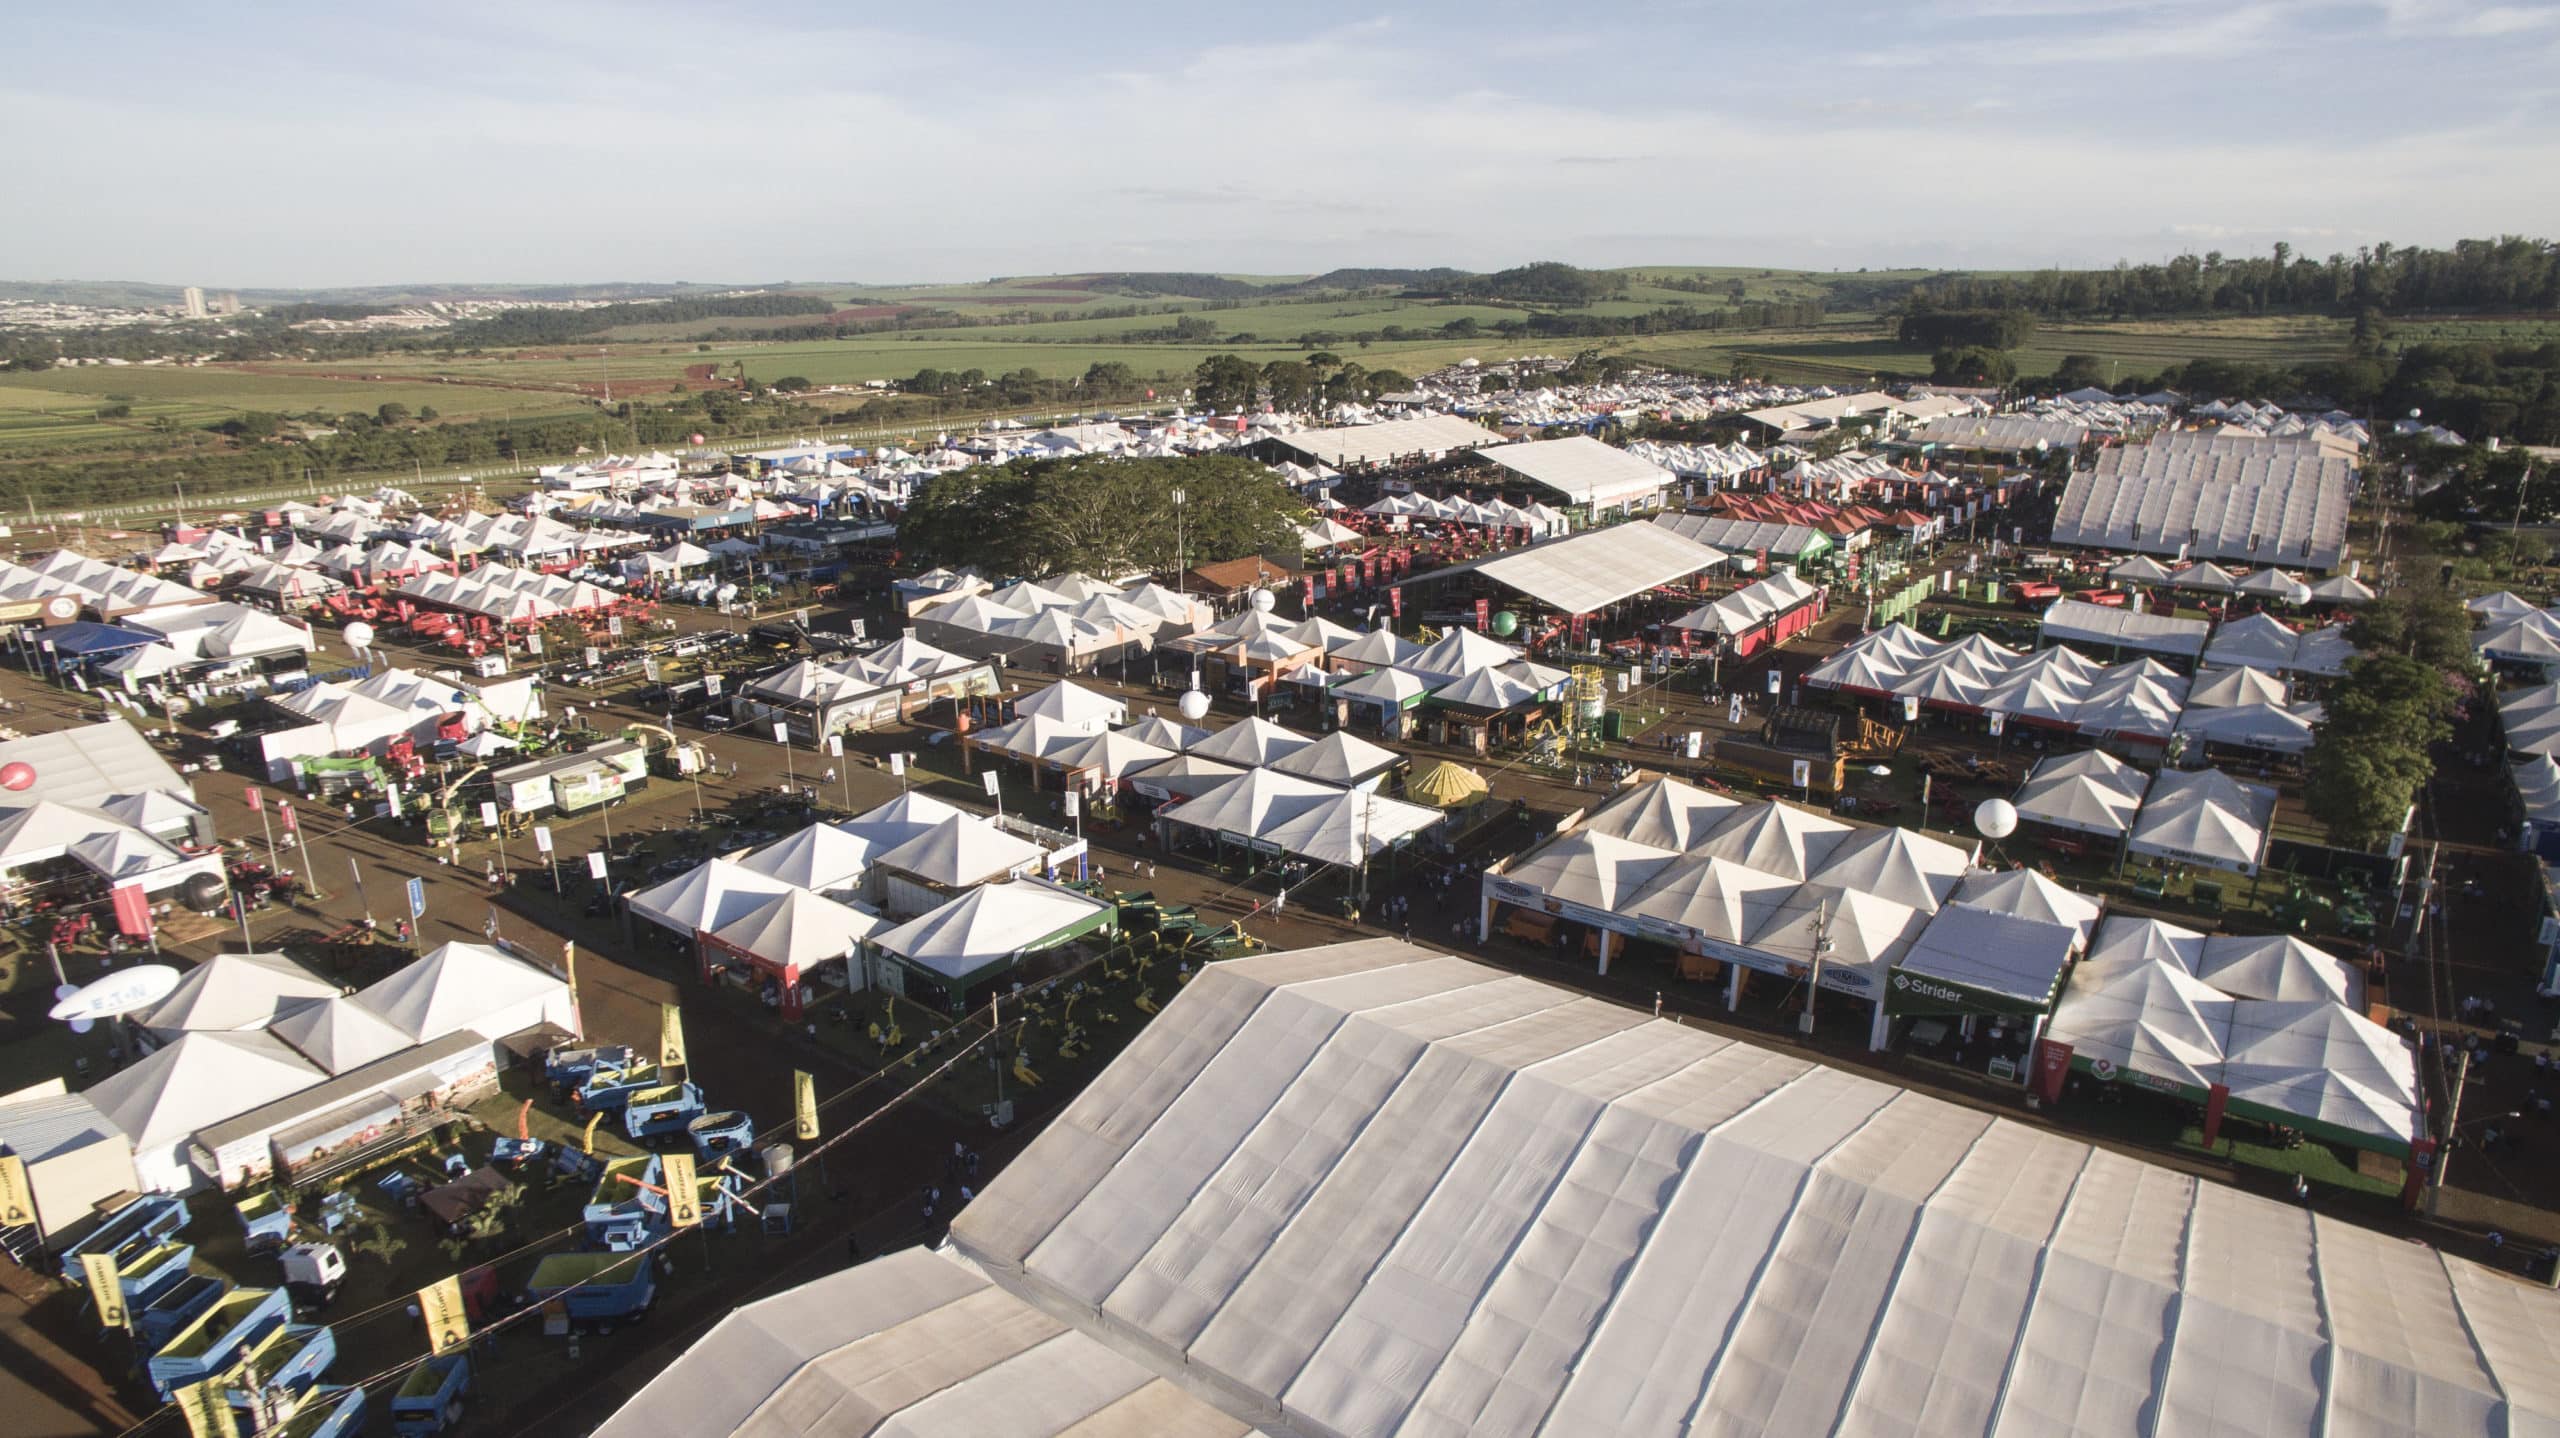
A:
(565, 1069)
(328, 1412)
(214, 1341)
(664, 1109)
(430, 1401)
(172, 1309)
(274, 1372)
(143, 1222)
(615, 1216)
(593, 1292)
(267, 1219)
(152, 1272)
(312, 1274)
(721, 1132)
(607, 1093)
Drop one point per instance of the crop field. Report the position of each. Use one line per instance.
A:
(57, 410)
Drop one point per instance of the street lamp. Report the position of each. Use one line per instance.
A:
(1181, 549)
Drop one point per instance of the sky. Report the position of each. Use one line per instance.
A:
(296, 144)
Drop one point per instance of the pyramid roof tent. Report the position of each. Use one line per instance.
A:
(1250, 803)
(2140, 569)
(1716, 898)
(960, 851)
(1165, 733)
(2153, 1018)
(1666, 813)
(1898, 864)
(1488, 691)
(1593, 870)
(1395, 687)
(339, 1034)
(2278, 967)
(1461, 652)
(989, 925)
(459, 986)
(235, 991)
(2224, 688)
(1112, 753)
(1319, 632)
(800, 930)
(901, 819)
(818, 858)
(1867, 932)
(1250, 742)
(1339, 758)
(1347, 828)
(1775, 838)
(200, 1080)
(708, 896)
(2089, 792)
(2026, 893)
(1379, 647)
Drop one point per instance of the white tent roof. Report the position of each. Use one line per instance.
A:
(1898, 864)
(2005, 953)
(2278, 967)
(2028, 894)
(1348, 828)
(1378, 646)
(799, 930)
(340, 1034)
(2090, 792)
(2224, 688)
(903, 818)
(2315, 1060)
(2538, 788)
(963, 849)
(1666, 813)
(1776, 838)
(1340, 757)
(916, 1341)
(2149, 1018)
(709, 896)
(1077, 708)
(2204, 816)
(987, 924)
(2274, 727)
(202, 1079)
(1366, 1189)
(459, 986)
(1165, 733)
(818, 858)
(1250, 742)
(1458, 653)
(235, 991)
(1583, 470)
(1594, 870)
(1112, 754)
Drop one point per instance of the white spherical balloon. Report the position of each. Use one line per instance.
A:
(359, 635)
(1195, 706)
(1996, 818)
(1263, 600)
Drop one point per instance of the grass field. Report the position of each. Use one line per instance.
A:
(57, 411)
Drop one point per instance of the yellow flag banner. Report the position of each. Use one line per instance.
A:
(208, 1409)
(448, 1322)
(684, 1190)
(17, 1199)
(106, 1288)
(587, 1144)
(804, 1105)
(670, 1037)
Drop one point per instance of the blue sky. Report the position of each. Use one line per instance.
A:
(299, 144)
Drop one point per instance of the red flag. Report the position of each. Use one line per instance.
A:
(1484, 614)
(133, 911)
(1395, 601)
(251, 794)
(284, 816)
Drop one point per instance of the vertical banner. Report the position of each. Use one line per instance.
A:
(1999, 723)
(17, 1197)
(285, 819)
(489, 815)
(106, 1288)
(2216, 1100)
(133, 911)
(2052, 1066)
(417, 898)
(448, 1322)
(898, 765)
(1395, 601)
(252, 795)
(1803, 773)
(542, 837)
(835, 746)
(1776, 680)
(804, 1106)
(670, 1037)
(1697, 744)
(684, 1191)
(781, 731)
(1484, 615)
(992, 782)
(207, 1407)
(1310, 584)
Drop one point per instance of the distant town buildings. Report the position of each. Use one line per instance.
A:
(193, 299)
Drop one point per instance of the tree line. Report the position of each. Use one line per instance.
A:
(2512, 272)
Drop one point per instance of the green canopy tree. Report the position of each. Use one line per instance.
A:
(1101, 515)
(1226, 382)
(2369, 754)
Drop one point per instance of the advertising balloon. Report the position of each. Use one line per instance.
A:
(1996, 818)
(1195, 706)
(17, 776)
(359, 635)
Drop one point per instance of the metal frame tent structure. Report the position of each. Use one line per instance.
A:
(1368, 1189)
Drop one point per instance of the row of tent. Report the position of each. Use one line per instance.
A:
(2513, 630)
(506, 594)
(2204, 576)
(2140, 699)
(1537, 517)
(2276, 1023)
(2199, 816)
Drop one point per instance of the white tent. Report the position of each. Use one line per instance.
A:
(1591, 869)
(2153, 1019)
(709, 896)
(1109, 755)
(205, 1077)
(2272, 727)
(459, 986)
(2026, 893)
(1165, 733)
(2278, 967)
(819, 858)
(799, 930)
(903, 818)
(1250, 742)
(1898, 864)
(1339, 758)
(1075, 709)
(989, 926)
(2089, 792)
(1665, 813)
(2204, 817)
(2318, 1066)
(2226, 688)
(2531, 718)
(959, 851)
(235, 991)
(339, 1034)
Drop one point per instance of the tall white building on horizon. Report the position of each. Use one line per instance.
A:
(194, 299)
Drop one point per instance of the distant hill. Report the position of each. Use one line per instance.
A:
(1430, 281)
(1546, 282)
(1179, 285)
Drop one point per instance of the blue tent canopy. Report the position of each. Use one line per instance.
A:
(88, 638)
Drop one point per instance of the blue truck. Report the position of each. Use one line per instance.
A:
(173, 1308)
(141, 1223)
(724, 1131)
(236, 1321)
(430, 1399)
(664, 1109)
(593, 1292)
(150, 1272)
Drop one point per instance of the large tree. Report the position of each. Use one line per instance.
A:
(2369, 754)
(1101, 515)
(1226, 382)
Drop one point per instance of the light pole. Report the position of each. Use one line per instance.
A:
(1181, 547)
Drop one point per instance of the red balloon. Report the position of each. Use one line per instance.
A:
(17, 776)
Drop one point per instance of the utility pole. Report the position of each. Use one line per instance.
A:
(1813, 979)
(2452, 1115)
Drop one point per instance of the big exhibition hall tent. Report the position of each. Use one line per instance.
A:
(1369, 1189)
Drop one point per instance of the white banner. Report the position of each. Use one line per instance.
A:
(992, 780)
(542, 837)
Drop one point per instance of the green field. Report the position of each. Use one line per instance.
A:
(57, 409)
